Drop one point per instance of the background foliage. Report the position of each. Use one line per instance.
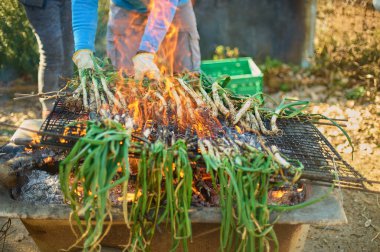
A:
(18, 45)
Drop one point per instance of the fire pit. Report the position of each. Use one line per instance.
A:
(42, 220)
(50, 229)
(207, 158)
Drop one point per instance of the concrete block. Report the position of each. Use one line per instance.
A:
(24, 137)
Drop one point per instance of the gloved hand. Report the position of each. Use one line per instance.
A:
(144, 65)
(83, 59)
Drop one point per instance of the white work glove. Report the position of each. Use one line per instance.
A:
(83, 59)
(144, 65)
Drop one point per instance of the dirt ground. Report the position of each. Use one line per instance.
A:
(18, 239)
(362, 233)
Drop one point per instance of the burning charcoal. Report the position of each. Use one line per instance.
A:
(287, 195)
(11, 171)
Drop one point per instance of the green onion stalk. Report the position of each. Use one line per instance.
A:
(244, 182)
(99, 162)
(92, 165)
(152, 204)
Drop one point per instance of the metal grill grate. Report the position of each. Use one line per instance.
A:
(62, 121)
(300, 140)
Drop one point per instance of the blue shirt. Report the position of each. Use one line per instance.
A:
(85, 18)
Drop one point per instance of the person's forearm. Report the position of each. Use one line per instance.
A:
(84, 19)
(159, 20)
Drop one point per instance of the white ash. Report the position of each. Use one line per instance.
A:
(41, 188)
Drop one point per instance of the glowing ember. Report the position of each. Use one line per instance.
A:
(278, 194)
(130, 196)
(36, 139)
(48, 160)
(287, 195)
(238, 129)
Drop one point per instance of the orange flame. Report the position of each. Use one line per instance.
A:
(160, 14)
(238, 129)
(48, 160)
(127, 41)
(278, 194)
(166, 101)
(36, 139)
(77, 130)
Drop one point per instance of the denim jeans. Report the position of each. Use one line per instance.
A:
(178, 52)
(52, 27)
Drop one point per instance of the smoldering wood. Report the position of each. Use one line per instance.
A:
(14, 165)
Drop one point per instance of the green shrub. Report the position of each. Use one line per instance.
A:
(18, 45)
(355, 93)
(100, 42)
(19, 55)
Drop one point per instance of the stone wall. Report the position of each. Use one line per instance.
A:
(259, 28)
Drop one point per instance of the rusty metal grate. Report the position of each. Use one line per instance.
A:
(300, 140)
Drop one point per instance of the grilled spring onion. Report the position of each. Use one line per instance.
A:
(243, 177)
(171, 166)
(93, 163)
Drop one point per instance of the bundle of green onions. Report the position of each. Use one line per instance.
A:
(100, 161)
(159, 164)
(93, 165)
(244, 175)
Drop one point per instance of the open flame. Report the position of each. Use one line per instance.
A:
(127, 41)
(278, 194)
(36, 140)
(77, 130)
(160, 19)
(165, 101)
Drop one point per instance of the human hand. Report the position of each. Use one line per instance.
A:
(144, 65)
(83, 59)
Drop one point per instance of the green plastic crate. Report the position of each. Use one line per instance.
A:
(246, 77)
